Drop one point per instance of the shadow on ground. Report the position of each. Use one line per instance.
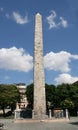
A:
(74, 123)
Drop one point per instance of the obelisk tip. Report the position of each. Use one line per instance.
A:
(38, 14)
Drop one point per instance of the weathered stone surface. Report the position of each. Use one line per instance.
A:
(39, 80)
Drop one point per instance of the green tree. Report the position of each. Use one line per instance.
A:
(56, 97)
(50, 95)
(68, 93)
(9, 95)
(29, 94)
(74, 96)
(67, 104)
(63, 91)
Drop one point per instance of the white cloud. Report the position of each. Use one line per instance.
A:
(63, 22)
(74, 57)
(15, 59)
(51, 19)
(65, 78)
(19, 19)
(18, 60)
(59, 61)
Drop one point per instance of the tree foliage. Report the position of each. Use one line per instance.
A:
(9, 95)
(61, 96)
(29, 95)
(50, 95)
(67, 104)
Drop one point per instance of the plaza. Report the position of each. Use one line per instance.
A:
(72, 124)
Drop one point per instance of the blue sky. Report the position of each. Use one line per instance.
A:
(60, 39)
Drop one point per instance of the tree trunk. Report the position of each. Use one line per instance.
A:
(3, 111)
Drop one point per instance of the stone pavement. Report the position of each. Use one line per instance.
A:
(69, 125)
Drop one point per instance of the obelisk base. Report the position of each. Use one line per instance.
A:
(39, 115)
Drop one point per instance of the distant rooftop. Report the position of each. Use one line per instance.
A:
(23, 84)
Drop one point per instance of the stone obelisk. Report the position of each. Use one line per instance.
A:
(39, 80)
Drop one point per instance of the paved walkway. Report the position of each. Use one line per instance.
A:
(70, 125)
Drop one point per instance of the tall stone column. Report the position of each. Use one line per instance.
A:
(39, 81)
